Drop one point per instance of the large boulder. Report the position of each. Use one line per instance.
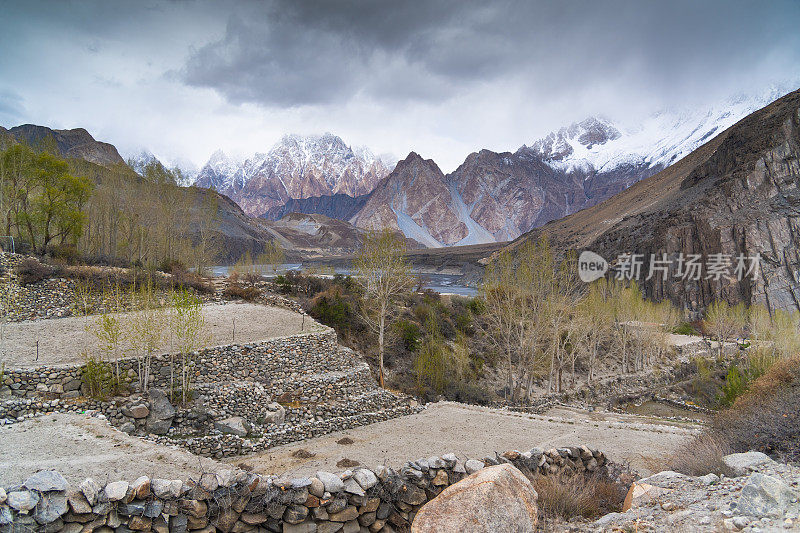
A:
(496, 498)
(159, 420)
(767, 496)
(744, 463)
(235, 425)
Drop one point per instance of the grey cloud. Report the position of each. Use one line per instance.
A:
(286, 53)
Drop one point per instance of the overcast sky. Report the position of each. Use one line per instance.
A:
(442, 78)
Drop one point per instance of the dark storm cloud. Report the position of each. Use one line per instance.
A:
(286, 53)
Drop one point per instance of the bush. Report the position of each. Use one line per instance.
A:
(685, 329)
(171, 266)
(476, 306)
(331, 309)
(98, 378)
(409, 333)
(701, 456)
(584, 496)
(249, 294)
(30, 270)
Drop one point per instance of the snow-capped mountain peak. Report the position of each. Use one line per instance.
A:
(296, 167)
(599, 144)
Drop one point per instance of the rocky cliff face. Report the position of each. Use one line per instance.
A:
(297, 167)
(76, 143)
(736, 194)
(339, 206)
(416, 200)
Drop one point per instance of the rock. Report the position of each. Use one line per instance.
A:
(366, 478)
(664, 478)
(235, 425)
(742, 463)
(161, 413)
(642, 493)
(160, 488)
(317, 487)
(226, 520)
(346, 515)
(139, 411)
(440, 479)
(3, 495)
(275, 415)
(52, 507)
(128, 427)
(5, 515)
(45, 481)
(472, 504)
(709, 479)
(331, 482)
(305, 527)
(91, 490)
(352, 487)
(22, 500)
(295, 514)
(116, 490)
(473, 465)
(141, 487)
(766, 496)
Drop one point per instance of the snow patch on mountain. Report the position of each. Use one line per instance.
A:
(599, 144)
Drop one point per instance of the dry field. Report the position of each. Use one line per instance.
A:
(80, 446)
(61, 341)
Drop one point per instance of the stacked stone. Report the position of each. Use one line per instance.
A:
(373, 500)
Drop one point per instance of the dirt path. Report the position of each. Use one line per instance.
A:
(470, 431)
(81, 446)
(62, 340)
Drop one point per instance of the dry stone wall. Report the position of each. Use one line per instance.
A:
(375, 500)
(248, 397)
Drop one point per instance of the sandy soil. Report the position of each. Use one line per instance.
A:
(63, 340)
(81, 446)
(475, 432)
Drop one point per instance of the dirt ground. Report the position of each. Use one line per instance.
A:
(475, 432)
(62, 340)
(80, 446)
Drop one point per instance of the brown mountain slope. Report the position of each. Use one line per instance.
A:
(737, 194)
(75, 143)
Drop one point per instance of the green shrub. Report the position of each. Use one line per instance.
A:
(409, 333)
(331, 309)
(98, 378)
(685, 329)
(476, 306)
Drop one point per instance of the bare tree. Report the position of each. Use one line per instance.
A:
(725, 322)
(384, 273)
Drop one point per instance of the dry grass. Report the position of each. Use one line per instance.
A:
(701, 456)
(568, 498)
(765, 419)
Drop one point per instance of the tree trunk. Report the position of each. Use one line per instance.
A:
(380, 345)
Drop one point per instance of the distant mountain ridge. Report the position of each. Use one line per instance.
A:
(499, 196)
(75, 143)
(297, 167)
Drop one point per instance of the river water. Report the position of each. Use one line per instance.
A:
(441, 283)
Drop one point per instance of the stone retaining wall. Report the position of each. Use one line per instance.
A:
(275, 361)
(249, 397)
(375, 500)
